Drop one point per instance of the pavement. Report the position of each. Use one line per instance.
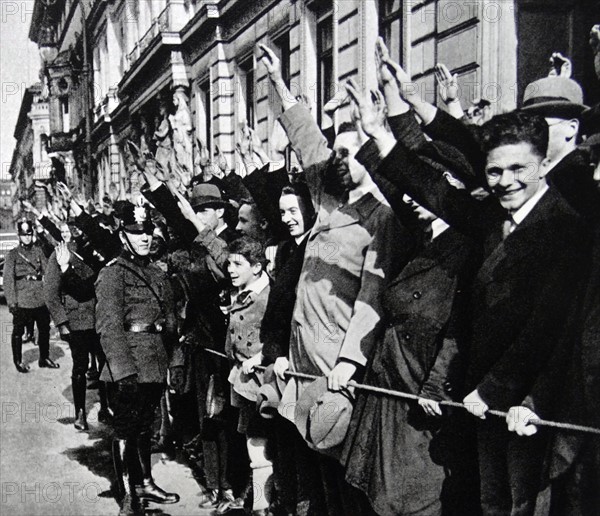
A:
(49, 468)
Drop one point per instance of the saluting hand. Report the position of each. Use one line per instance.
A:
(271, 62)
(63, 255)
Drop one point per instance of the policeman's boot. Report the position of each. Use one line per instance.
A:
(16, 342)
(130, 503)
(149, 490)
(104, 414)
(78, 384)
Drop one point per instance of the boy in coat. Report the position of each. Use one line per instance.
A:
(246, 267)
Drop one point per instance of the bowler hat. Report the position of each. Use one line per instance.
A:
(206, 195)
(556, 97)
(323, 416)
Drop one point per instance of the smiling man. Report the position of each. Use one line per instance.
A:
(535, 251)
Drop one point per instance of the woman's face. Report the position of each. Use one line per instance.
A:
(291, 214)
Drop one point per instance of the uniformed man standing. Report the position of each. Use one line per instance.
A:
(136, 322)
(23, 274)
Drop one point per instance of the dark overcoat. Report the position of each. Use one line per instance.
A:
(71, 301)
(388, 444)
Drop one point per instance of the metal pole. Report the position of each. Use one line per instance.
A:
(87, 101)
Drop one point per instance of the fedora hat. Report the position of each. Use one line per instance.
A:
(323, 416)
(206, 195)
(556, 97)
(270, 393)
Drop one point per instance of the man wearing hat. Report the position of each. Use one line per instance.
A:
(23, 274)
(559, 99)
(136, 322)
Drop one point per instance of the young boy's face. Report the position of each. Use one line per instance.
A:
(241, 271)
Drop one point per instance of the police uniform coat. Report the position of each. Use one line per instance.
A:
(130, 292)
(22, 262)
(351, 253)
(70, 296)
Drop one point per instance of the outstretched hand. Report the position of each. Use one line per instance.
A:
(63, 255)
(560, 66)
(447, 83)
(371, 108)
(271, 62)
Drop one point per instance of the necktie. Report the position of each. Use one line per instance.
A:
(508, 227)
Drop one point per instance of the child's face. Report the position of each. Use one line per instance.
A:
(241, 271)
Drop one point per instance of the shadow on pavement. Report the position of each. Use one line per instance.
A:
(32, 355)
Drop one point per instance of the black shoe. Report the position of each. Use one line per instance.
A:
(48, 363)
(22, 368)
(81, 421)
(104, 416)
(151, 492)
(209, 499)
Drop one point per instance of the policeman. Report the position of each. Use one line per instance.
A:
(23, 274)
(136, 322)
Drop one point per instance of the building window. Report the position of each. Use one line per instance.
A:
(64, 112)
(325, 80)
(205, 115)
(390, 26)
(247, 89)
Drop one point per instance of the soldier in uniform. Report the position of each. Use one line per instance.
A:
(136, 322)
(23, 274)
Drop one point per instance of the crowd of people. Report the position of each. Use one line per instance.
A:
(307, 338)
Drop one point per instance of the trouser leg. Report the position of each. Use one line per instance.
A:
(42, 319)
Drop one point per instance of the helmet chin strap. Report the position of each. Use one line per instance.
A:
(131, 249)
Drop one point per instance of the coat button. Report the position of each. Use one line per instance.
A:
(239, 337)
(232, 330)
(417, 294)
(241, 317)
(249, 344)
(448, 387)
(407, 336)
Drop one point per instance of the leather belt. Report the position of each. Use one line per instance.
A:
(144, 327)
(30, 277)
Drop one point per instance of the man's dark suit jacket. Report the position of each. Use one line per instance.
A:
(525, 287)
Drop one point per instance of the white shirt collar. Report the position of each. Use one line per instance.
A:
(438, 226)
(220, 229)
(300, 239)
(519, 215)
(258, 285)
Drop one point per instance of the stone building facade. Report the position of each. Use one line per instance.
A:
(31, 166)
(142, 53)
